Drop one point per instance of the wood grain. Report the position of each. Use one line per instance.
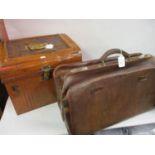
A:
(22, 73)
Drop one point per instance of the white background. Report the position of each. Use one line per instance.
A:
(94, 37)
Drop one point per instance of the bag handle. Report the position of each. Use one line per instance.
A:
(114, 51)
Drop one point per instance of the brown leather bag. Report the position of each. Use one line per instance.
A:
(96, 94)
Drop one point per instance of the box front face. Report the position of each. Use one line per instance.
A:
(31, 93)
(29, 90)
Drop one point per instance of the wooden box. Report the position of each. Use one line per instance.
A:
(26, 67)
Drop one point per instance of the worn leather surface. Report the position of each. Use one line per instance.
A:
(94, 95)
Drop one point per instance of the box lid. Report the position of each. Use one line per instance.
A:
(36, 48)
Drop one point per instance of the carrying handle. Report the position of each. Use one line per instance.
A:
(114, 51)
(39, 46)
(35, 46)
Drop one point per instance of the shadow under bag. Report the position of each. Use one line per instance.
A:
(95, 94)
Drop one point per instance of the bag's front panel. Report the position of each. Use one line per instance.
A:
(99, 104)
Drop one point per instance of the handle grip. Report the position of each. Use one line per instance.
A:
(114, 51)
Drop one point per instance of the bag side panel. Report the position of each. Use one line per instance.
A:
(97, 105)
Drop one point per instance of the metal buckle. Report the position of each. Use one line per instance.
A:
(46, 72)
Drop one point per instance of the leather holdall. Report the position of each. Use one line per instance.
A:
(95, 94)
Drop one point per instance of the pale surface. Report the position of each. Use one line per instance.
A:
(47, 120)
(93, 36)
